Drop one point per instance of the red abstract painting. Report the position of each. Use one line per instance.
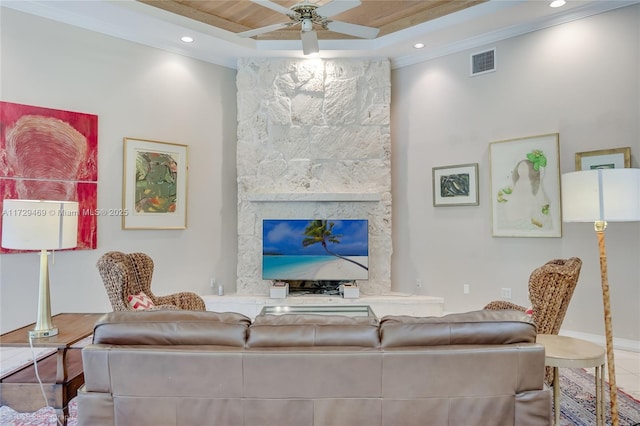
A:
(50, 154)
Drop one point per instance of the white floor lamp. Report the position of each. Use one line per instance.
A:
(40, 225)
(601, 196)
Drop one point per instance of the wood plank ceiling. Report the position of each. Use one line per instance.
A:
(243, 15)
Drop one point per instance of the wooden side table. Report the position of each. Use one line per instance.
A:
(61, 372)
(563, 351)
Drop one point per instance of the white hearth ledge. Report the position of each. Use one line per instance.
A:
(313, 196)
(382, 304)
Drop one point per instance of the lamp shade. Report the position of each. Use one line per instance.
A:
(39, 225)
(610, 195)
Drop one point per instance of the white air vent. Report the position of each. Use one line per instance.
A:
(483, 62)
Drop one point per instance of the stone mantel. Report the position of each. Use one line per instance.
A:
(314, 142)
(314, 197)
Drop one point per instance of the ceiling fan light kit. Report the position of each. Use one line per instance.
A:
(309, 42)
(307, 25)
(307, 14)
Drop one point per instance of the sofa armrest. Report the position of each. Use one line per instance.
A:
(504, 305)
(183, 300)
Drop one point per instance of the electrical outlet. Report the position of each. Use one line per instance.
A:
(506, 293)
(418, 283)
(212, 282)
(465, 289)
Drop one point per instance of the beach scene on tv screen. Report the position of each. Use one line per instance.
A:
(296, 249)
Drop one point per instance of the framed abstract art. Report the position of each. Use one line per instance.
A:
(154, 185)
(616, 158)
(51, 154)
(455, 185)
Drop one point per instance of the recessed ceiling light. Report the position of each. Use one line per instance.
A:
(418, 45)
(557, 3)
(187, 39)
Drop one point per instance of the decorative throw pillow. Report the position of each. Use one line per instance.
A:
(140, 301)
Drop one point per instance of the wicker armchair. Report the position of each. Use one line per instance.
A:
(550, 289)
(129, 274)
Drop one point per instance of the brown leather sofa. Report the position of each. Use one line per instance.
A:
(206, 368)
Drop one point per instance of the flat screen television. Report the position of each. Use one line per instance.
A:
(296, 249)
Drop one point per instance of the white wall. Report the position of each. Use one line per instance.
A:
(580, 80)
(137, 92)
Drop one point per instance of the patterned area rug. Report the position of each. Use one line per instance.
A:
(43, 417)
(578, 401)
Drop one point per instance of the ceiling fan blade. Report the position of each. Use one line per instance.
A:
(336, 7)
(274, 6)
(263, 30)
(309, 42)
(353, 29)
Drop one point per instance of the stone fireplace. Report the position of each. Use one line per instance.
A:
(313, 142)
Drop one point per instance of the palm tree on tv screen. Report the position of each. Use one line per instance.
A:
(321, 231)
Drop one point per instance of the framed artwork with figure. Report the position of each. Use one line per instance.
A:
(525, 187)
(154, 194)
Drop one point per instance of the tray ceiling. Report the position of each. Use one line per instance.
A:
(442, 26)
(243, 15)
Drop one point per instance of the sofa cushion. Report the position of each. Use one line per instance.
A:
(313, 330)
(171, 327)
(486, 327)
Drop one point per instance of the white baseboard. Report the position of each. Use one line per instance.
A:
(622, 344)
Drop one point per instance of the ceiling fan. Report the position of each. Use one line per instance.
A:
(307, 14)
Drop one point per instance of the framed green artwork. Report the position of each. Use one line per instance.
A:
(154, 185)
(525, 187)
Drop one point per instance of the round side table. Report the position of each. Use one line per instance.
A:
(563, 351)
